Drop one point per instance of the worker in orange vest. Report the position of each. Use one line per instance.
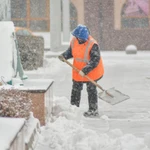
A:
(86, 57)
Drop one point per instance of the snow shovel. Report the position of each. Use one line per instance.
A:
(111, 95)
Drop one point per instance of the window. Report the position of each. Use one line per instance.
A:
(32, 14)
(132, 14)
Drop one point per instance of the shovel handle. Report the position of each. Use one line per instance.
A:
(85, 75)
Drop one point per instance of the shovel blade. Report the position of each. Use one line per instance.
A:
(116, 97)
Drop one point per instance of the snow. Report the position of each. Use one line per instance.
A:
(7, 50)
(67, 132)
(46, 37)
(125, 126)
(9, 127)
(131, 47)
(32, 129)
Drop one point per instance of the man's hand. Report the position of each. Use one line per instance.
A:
(81, 73)
(61, 57)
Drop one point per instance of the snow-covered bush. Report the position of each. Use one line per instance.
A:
(14, 103)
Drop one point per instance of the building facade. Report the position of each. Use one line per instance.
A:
(119, 23)
(32, 14)
(115, 24)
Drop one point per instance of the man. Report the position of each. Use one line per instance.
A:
(85, 51)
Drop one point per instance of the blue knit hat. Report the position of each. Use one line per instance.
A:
(81, 32)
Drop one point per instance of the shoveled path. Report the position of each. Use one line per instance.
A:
(129, 74)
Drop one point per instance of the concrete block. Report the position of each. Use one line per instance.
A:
(41, 94)
(131, 49)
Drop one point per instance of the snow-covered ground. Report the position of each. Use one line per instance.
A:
(124, 126)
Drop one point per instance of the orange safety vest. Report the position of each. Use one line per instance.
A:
(81, 55)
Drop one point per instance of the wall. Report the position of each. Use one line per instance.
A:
(100, 17)
(92, 18)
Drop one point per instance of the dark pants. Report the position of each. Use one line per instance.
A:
(92, 94)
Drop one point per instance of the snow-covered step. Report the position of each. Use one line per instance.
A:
(12, 133)
(18, 133)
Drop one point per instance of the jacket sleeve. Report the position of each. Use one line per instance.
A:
(94, 59)
(68, 53)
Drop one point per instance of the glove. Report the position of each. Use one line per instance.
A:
(81, 73)
(61, 57)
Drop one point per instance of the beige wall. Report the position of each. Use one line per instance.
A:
(79, 4)
(117, 13)
(92, 11)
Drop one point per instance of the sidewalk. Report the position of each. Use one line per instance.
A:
(130, 74)
(127, 73)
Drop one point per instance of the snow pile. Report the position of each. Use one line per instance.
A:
(147, 139)
(8, 57)
(32, 130)
(67, 132)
